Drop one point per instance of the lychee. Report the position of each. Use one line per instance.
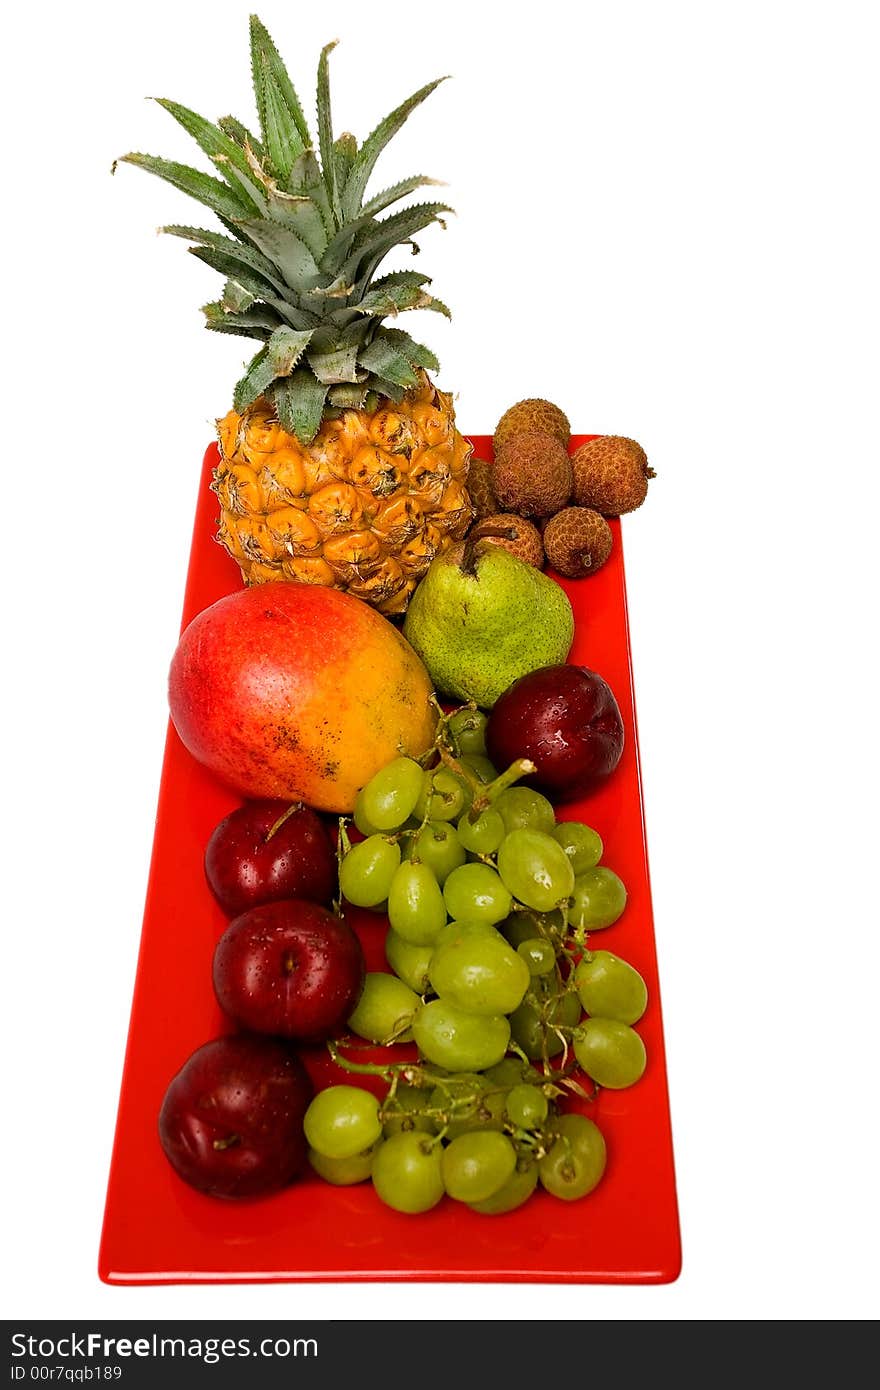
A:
(524, 540)
(577, 541)
(610, 475)
(480, 489)
(532, 474)
(532, 414)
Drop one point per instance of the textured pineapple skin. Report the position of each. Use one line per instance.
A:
(364, 508)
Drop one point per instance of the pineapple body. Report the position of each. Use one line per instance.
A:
(364, 507)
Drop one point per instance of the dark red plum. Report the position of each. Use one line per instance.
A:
(292, 969)
(231, 1121)
(269, 851)
(567, 720)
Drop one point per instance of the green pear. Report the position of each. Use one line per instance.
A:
(480, 619)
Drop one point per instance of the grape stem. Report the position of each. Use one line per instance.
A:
(522, 767)
(343, 845)
(387, 1070)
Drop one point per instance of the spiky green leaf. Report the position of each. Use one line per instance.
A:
(243, 137)
(347, 397)
(339, 247)
(381, 386)
(255, 322)
(337, 365)
(302, 216)
(345, 150)
(289, 313)
(401, 277)
(209, 138)
(337, 289)
(235, 251)
(299, 402)
(236, 297)
(286, 251)
(219, 197)
(286, 347)
(232, 268)
(265, 58)
(249, 186)
(280, 134)
(255, 382)
(386, 361)
(397, 191)
(373, 245)
(416, 353)
(353, 193)
(325, 132)
(393, 299)
(306, 181)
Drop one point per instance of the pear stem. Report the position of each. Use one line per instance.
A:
(468, 562)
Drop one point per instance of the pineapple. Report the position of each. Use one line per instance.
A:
(340, 461)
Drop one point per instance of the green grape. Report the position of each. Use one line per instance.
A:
(538, 954)
(536, 869)
(454, 929)
(522, 925)
(443, 795)
(408, 961)
(363, 823)
(437, 844)
(343, 1172)
(367, 870)
(416, 909)
(406, 1172)
(533, 1025)
(517, 1190)
(450, 1037)
(581, 843)
(482, 835)
(479, 972)
(575, 1162)
(385, 1009)
(468, 730)
(523, 809)
(509, 1072)
(342, 1121)
(610, 1052)
(526, 1106)
(597, 899)
(475, 893)
(466, 1101)
(609, 987)
(475, 1165)
(389, 798)
(404, 1111)
(480, 766)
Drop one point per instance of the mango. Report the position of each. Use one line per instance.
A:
(298, 692)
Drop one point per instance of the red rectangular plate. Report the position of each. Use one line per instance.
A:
(157, 1230)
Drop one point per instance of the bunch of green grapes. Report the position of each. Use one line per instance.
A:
(489, 902)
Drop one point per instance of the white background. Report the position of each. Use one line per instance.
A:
(667, 222)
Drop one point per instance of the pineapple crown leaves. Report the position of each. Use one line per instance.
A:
(302, 245)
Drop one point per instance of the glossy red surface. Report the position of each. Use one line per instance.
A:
(158, 1230)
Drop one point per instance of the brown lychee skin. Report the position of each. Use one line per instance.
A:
(532, 414)
(611, 475)
(577, 541)
(480, 489)
(532, 475)
(525, 545)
